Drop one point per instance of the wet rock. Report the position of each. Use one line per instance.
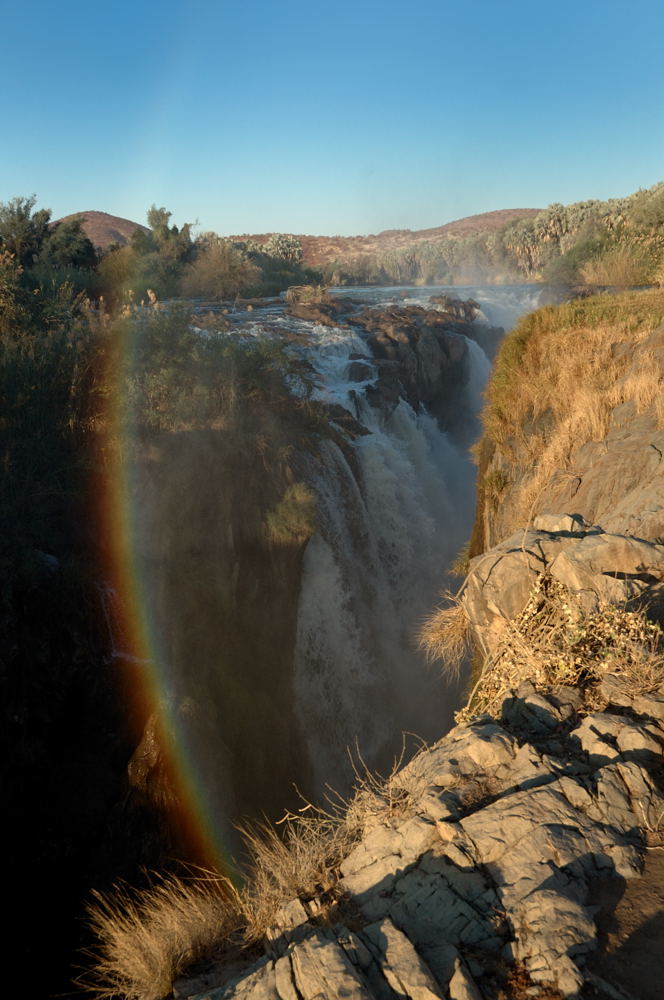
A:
(417, 351)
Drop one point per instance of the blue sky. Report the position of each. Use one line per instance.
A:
(255, 116)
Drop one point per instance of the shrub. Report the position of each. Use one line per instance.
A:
(307, 294)
(293, 519)
(556, 640)
(220, 271)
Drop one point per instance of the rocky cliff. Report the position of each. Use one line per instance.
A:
(483, 880)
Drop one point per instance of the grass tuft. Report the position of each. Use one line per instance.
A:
(293, 520)
(148, 938)
(444, 635)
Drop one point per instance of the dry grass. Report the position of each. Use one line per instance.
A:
(149, 938)
(301, 861)
(620, 267)
(556, 640)
(558, 377)
(444, 635)
(146, 939)
(385, 800)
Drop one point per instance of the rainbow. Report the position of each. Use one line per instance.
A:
(142, 659)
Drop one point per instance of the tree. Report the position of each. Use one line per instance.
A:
(22, 233)
(221, 270)
(66, 245)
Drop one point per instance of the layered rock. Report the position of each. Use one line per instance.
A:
(487, 866)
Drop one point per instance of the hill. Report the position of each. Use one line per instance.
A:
(103, 230)
(320, 250)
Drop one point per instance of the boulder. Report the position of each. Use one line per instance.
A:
(591, 563)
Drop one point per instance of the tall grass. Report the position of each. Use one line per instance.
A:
(146, 939)
(557, 378)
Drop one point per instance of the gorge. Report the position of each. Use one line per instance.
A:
(306, 645)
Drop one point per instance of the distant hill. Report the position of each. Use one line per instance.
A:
(103, 229)
(319, 250)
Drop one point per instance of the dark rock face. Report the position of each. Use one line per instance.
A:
(419, 359)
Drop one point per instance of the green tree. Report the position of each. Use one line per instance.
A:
(22, 231)
(66, 245)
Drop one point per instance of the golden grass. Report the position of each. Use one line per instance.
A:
(620, 267)
(147, 939)
(556, 640)
(299, 862)
(558, 377)
(444, 635)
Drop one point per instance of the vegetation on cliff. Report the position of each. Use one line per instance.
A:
(558, 377)
(75, 372)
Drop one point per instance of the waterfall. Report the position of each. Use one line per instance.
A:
(390, 523)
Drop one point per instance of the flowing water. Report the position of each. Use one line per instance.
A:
(388, 529)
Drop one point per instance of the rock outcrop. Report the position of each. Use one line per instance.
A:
(482, 875)
(422, 357)
(591, 563)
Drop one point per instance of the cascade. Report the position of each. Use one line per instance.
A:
(276, 661)
(389, 525)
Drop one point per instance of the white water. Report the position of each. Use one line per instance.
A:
(394, 505)
(389, 526)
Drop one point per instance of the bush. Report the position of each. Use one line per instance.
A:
(292, 521)
(556, 640)
(220, 271)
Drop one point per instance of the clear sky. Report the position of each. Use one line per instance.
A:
(339, 118)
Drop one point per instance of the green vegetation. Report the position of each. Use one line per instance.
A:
(293, 519)
(617, 243)
(166, 261)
